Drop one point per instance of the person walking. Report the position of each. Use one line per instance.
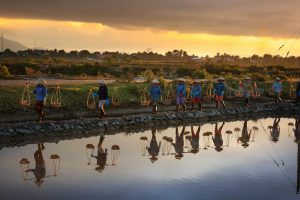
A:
(155, 94)
(246, 85)
(40, 92)
(219, 92)
(277, 89)
(103, 97)
(180, 94)
(196, 94)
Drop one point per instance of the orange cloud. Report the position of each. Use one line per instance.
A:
(96, 36)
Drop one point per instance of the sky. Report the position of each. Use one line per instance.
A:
(201, 27)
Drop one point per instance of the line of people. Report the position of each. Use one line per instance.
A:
(196, 94)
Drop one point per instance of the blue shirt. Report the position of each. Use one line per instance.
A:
(277, 87)
(219, 89)
(155, 92)
(181, 89)
(196, 91)
(40, 92)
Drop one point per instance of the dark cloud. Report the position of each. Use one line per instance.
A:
(232, 17)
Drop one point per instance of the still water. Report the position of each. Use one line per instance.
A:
(239, 160)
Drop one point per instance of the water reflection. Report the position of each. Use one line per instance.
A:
(39, 171)
(275, 130)
(101, 156)
(194, 139)
(179, 142)
(278, 174)
(154, 148)
(218, 139)
(297, 140)
(246, 135)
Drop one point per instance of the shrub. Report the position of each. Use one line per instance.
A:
(148, 74)
(200, 73)
(4, 72)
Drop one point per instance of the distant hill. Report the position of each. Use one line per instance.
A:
(12, 45)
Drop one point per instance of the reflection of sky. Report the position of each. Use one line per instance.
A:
(234, 173)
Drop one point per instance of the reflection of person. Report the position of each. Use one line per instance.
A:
(103, 96)
(180, 95)
(219, 93)
(179, 143)
(218, 140)
(277, 89)
(297, 129)
(245, 138)
(101, 156)
(155, 93)
(154, 148)
(40, 169)
(194, 140)
(40, 92)
(275, 131)
(246, 85)
(196, 93)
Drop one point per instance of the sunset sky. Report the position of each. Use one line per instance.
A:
(201, 27)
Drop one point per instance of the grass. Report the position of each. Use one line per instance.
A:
(74, 97)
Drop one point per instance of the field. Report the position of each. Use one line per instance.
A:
(74, 96)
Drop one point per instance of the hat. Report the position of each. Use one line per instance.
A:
(39, 182)
(100, 168)
(181, 79)
(178, 157)
(220, 79)
(277, 79)
(155, 81)
(196, 81)
(247, 78)
(153, 159)
(102, 82)
(41, 81)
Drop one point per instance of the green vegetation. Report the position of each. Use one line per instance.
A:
(4, 72)
(74, 97)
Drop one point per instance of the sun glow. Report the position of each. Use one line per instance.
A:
(96, 36)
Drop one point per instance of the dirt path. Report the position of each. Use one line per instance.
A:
(50, 82)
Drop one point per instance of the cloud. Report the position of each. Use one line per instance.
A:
(275, 18)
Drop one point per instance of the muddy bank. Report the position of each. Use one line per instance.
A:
(18, 134)
(65, 114)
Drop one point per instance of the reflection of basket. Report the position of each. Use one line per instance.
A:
(90, 102)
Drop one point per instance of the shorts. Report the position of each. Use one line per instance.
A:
(219, 98)
(196, 100)
(154, 102)
(101, 103)
(277, 94)
(180, 100)
(246, 94)
(39, 106)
